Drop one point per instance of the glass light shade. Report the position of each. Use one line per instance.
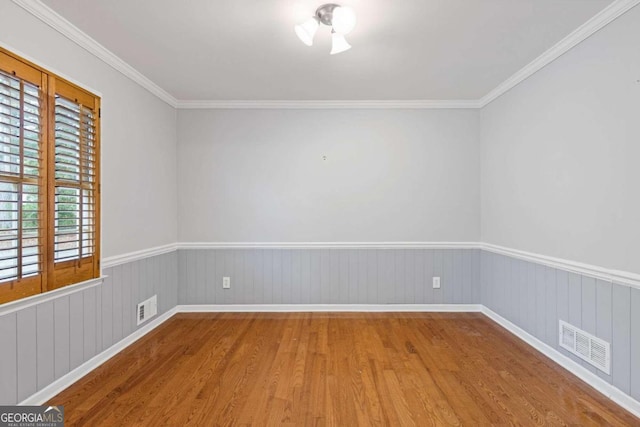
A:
(338, 43)
(307, 30)
(343, 20)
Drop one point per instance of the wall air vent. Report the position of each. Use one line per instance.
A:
(586, 346)
(147, 309)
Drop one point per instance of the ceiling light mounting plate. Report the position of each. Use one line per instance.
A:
(325, 13)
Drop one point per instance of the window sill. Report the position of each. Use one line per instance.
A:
(13, 306)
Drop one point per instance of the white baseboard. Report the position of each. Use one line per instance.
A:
(68, 379)
(327, 245)
(600, 385)
(613, 393)
(306, 308)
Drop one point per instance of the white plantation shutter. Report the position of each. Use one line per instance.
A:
(22, 213)
(49, 181)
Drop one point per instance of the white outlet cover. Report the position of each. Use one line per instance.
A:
(436, 283)
(226, 283)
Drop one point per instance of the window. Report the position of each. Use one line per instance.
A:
(49, 181)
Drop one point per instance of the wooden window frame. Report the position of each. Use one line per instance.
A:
(53, 274)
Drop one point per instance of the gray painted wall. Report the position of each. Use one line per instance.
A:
(329, 276)
(559, 155)
(41, 343)
(390, 176)
(138, 136)
(534, 297)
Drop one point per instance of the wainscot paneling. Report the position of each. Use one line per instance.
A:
(43, 342)
(328, 276)
(535, 297)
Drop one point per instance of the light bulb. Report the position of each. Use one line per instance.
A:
(343, 20)
(338, 43)
(307, 30)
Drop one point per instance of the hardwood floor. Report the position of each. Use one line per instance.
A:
(333, 369)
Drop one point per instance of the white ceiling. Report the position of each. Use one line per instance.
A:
(402, 50)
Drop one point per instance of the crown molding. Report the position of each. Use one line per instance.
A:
(599, 21)
(73, 33)
(60, 24)
(334, 104)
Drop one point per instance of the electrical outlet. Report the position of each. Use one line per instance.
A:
(226, 283)
(436, 283)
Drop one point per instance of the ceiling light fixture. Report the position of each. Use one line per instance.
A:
(342, 20)
(338, 43)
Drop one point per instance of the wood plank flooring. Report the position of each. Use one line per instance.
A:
(345, 369)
